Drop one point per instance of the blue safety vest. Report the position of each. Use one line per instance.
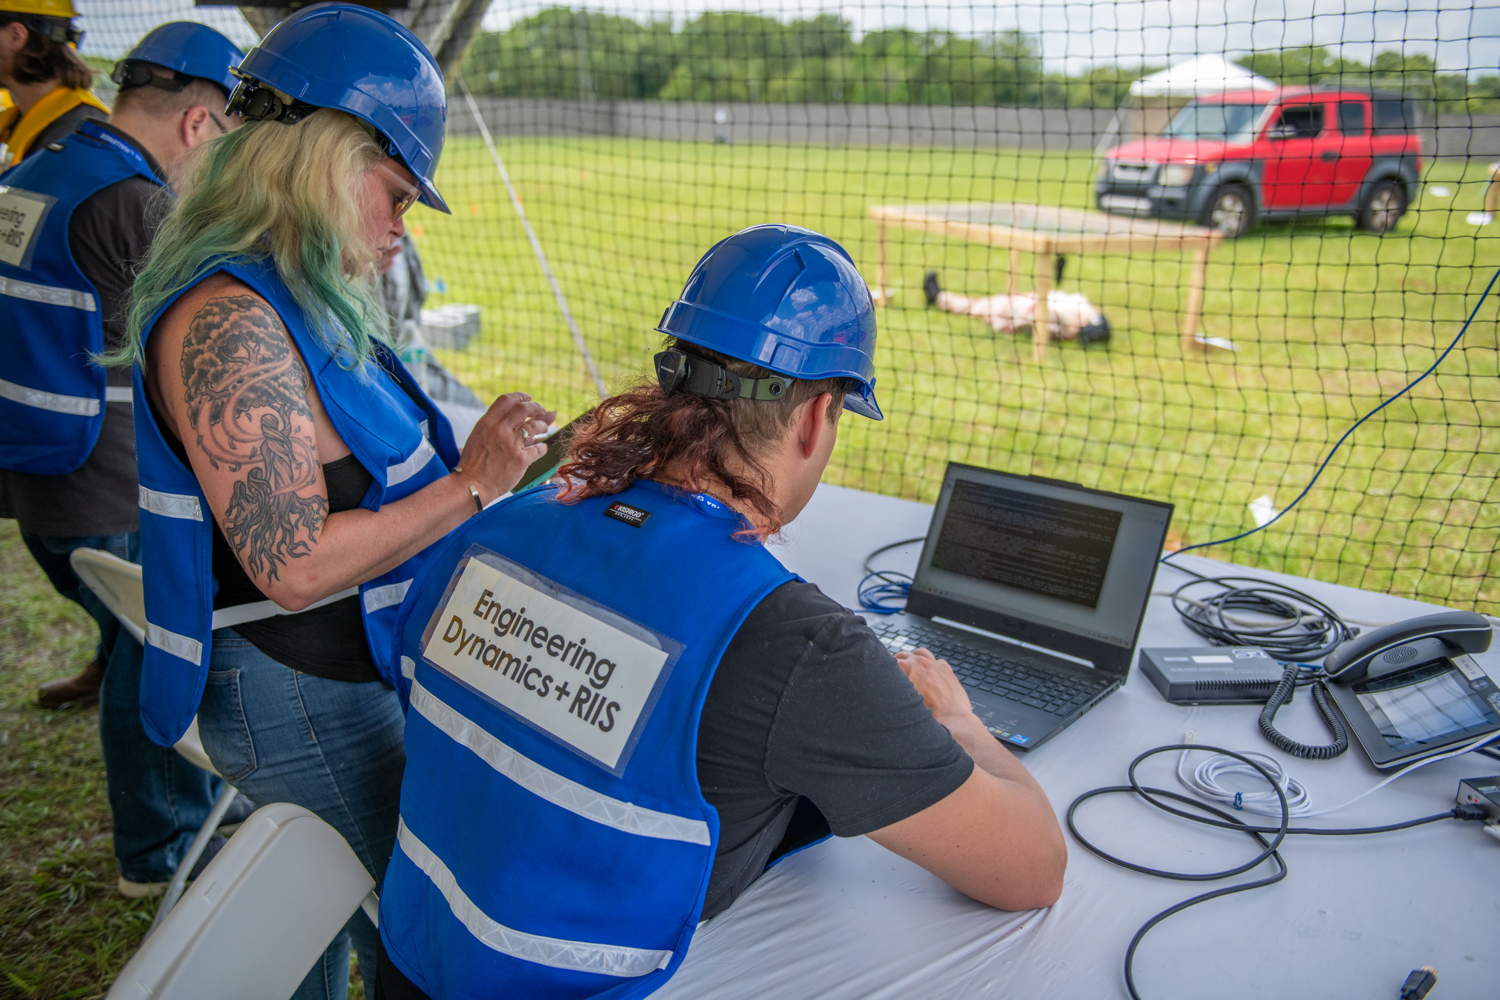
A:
(554, 841)
(52, 395)
(393, 429)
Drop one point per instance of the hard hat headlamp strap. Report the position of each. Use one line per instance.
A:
(58, 29)
(679, 371)
(255, 102)
(131, 73)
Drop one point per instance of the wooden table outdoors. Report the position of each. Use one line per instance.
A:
(1048, 232)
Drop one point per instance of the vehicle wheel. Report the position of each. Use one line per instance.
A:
(1231, 211)
(1382, 207)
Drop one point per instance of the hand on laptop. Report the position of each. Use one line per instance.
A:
(939, 687)
(994, 838)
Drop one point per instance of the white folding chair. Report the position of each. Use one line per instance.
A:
(117, 584)
(254, 922)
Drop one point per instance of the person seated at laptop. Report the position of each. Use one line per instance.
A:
(623, 708)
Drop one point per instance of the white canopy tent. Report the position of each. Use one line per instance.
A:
(1154, 99)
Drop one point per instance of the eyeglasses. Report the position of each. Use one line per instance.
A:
(408, 196)
(223, 129)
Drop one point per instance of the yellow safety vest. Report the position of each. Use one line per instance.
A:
(18, 131)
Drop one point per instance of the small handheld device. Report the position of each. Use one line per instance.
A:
(546, 467)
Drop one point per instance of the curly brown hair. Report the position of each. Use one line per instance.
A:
(643, 433)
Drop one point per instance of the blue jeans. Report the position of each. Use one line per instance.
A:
(158, 800)
(332, 747)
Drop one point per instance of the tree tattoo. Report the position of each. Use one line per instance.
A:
(246, 393)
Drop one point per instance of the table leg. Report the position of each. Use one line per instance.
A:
(1041, 323)
(1193, 314)
(1015, 269)
(880, 285)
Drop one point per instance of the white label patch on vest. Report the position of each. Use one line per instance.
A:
(563, 665)
(21, 214)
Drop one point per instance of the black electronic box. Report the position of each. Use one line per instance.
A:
(1211, 675)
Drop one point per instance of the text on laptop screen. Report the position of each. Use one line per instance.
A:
(1052, 553)
(1051, 547)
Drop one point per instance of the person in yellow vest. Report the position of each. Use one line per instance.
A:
(47, 81)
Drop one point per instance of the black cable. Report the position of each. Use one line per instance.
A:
(1270, 848)
(1304, 628)
(884, 591)
(1289, 680)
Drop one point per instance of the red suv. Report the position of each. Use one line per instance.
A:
(1230, 159)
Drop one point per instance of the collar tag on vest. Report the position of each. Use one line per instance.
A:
(633, 516)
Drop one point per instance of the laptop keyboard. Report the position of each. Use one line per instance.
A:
(1057, 693)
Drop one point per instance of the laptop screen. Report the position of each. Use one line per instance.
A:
(1058, 555)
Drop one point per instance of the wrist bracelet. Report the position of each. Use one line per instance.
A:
(473, 491)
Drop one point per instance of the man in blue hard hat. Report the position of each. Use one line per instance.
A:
(77, 216)
(623, 707)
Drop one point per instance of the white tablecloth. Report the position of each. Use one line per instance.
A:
(848, 919)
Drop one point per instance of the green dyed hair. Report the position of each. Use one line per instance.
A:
(290, 192)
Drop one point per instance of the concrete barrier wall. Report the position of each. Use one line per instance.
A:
(1074, 129)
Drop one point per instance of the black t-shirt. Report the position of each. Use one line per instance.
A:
(809, 727)
(109, 235)
(809, 709)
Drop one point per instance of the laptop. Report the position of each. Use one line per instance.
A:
(1034, 590)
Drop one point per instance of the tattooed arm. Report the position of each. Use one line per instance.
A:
(225, 373)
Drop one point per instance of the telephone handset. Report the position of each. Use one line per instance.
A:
(1393, 648)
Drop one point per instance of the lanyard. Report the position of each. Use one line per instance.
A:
(92, 129)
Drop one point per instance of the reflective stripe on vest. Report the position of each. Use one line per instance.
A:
(516, 828)
(49, 295)
(379, 413)
(185, 648)
(576, 956)
(179, 505)
(76, 405)
(627, 817)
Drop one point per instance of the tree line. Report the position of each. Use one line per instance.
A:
(739, 56)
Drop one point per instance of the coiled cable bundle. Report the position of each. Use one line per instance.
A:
(1287, 623)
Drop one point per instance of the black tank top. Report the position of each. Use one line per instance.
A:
(327, 641)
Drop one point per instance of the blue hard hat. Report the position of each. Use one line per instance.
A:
(787, 299)
(187, 48)
(361, 62)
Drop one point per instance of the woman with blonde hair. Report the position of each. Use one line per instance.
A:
(292, 472)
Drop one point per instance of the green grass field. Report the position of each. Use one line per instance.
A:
(65, 933)
(1327, 321)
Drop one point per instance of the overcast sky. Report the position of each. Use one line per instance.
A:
(1463, 35)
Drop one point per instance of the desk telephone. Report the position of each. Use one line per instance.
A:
(1402, 645)
(1413, 689)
